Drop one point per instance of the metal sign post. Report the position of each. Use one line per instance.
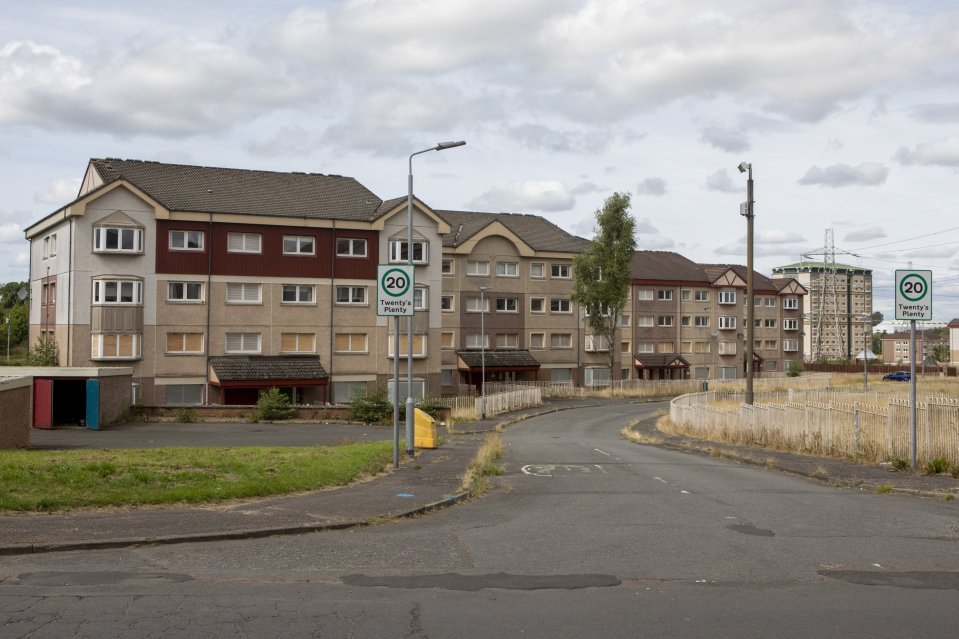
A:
(913, 302)
(394, 298)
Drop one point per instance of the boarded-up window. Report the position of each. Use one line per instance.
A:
(419, 345)
(184, 342)
(449, 339)
(298, 342)
(350, 342)
(115, 346)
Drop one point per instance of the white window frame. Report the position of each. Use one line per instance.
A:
(664, 295)
(421, 298)
(727, 347)
(596, 344)
(246, 290)
(537, 336)
(352, 299)
(664, 321)
(473, 340)
(645, 321)
(646, 347)
(542, 305)
(507, 269)
(645, 294)
(791, 303)
(447, 303)
(419, 246)
(300, 241)
(790, 345)
(506, 303)
(297, 290)
(701, 296)
(185, 296)
(790, 324)
(727, 297)
(237, 242)
(473, 305)
(562, 341)
(100, 292)
(537, 270)
(726, 322)
(100, 234)
(560, 306)
(185, 236)
(183, 341)
(477, 268)
(561, 271)
(352, 244)
(507, 340)
(248, 343)
(97, 342)
(451, 270)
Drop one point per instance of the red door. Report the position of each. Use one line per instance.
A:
(43, 403)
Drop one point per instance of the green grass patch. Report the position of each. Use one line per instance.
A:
(61, 480)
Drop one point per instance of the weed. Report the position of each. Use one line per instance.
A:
(771, 463)
(628, 433)
(950, 498)
(885, 488)
(483, 465)
(954, 471)
(937, 465)
(186, 416)
(900, 464)
(820, 471)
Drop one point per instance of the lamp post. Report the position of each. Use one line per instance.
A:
(8, 340)
(865, 351)
(483, 290)
(441, 146)
(747, 211)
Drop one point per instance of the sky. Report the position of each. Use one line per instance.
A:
(848, 112)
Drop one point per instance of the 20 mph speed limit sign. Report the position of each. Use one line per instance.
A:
(394, 290)
(913, 295)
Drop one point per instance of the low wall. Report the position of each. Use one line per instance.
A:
(16, 417)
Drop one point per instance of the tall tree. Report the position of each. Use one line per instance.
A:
(876, 318)
(603, 274)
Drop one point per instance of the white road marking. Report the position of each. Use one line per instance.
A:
(601, 469)
(685, 492)
(602, 452)
(528, 470)
(661, 479)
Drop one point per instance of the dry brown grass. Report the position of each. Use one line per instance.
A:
(483, 465)
(628, 433)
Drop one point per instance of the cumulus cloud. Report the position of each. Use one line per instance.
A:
(840, 175)
(720, 181)
(654, 242)
(547, 195)
(654, 186)
(941, 153)
(932, 252)
(542, 138)
(863, 235)
(10, 233)
(585, 188)
(59, 192)
(726, 138)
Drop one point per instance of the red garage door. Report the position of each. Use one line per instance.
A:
(43, 403)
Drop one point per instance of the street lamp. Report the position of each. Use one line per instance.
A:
(441, 146)
(746, 210)
(8, 339)
(483, 290)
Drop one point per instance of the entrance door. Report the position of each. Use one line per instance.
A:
(43, 403)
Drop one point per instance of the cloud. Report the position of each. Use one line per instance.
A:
(585, 188)
(773, 236)
(542, 138)
(720, 181)
(286, 141)
(841, 175)
(585, 227)
(548, 195)
(645, 227)
(932, 252)
(936, 113)
(10, 233)
(652, 186)
(654, 242)
(59, 192)
(726, 139)
(862, 235)
(941, 153)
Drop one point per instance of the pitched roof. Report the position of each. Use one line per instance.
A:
(666, 265)
(538, 232)
(498, 359)
(267, 368)
(180, 187)
(660, 360)
(954, 323)
(760, 281)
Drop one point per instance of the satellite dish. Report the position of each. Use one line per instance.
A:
(22, 293)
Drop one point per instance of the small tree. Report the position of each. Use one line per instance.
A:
(603, 271)
(45, 352)
(273, 405)
(794, 369)
(940, 352)
(371, 407)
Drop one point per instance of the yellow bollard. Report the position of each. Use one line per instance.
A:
(425, 430)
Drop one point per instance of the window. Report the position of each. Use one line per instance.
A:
(769, 344)
(685, 320)
(727, 297)
(537, 270)
(625, 347)
(596, 343)
(537, 341)
(559, 306)
(446, 303)
(477, 305)
(770, 365)
(624, 321)
(297, 294)
(665, 347)
(664, 320)
(242, 342)
(702, 321)
(297, 342)
(664, 296)
(242, 293)
(596, 376)
(186, 240)
(685, 295)
(184, 342)
(644, 294)
(561, 340)
(645, 347)
(243, 243)
(560, 375)
(350, 247)
(507, 340)
(183, 394)
(727, 348)
(446, 377)
(419, 346)
(601, 310)
(448, 267)
(421, 299)
(117, 292)
(477, 267)
(118, 239)
(354, 343)
(702, 296)
(559, 271)
(769, 323)
(790, 325)
(686, 347)
(448, 340)
(351, 295)
(506, 304)
(770, 302)
(474, 340)
(507, 269)
(790, 303)
(50, 246)
(790, 345)
(702, 347)
(122, 346)
(645, 321)
(400, 252)
(299, 245)
(727, 372)
(537, 305)
(184, 292)
(727, 322)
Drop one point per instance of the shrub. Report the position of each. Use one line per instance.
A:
(899, 463)
(186, 416)
(273, 405)
(431, 406)
(45, 352)
(794, 369)
(371, 407)
(937, 465)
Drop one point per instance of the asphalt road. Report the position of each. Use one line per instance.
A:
(585, 535)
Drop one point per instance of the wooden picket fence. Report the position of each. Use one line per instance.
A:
(871, 425)
(503, 401)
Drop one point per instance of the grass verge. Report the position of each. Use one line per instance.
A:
(483, 465)
(61, 480)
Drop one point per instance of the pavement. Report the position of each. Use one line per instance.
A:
(429, 481)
